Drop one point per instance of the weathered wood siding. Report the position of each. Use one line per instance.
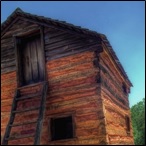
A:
(8, 60)
(73, 88)
(115, 102)
(8, 68)
(72, 84)
(8, 86)
(79, 85)
(25, 117)
(59, 44)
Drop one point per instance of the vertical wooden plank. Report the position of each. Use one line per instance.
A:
(11, 120)
(18, 51)
(34, 60)
(42, 48)
(41, 115)
(30, 80)
(25, 63)
(27, 67)
(16, 56)
(40, 67)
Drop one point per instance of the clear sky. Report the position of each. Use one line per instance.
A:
(122, 22)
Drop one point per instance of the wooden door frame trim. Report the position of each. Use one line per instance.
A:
(43, 51)
(17, 61)
(17, 53)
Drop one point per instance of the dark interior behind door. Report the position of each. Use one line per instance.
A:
(31, 60)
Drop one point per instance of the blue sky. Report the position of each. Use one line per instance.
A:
(122, 22)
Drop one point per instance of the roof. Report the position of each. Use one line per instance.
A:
(68, 27)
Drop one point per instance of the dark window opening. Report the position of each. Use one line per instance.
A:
(124, 88)
(61, 128)
(127, 124)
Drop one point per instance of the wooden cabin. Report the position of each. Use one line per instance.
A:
(60, 84)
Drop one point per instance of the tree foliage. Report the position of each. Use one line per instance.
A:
(138, 122)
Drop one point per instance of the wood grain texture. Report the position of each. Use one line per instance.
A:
(73, 88)
(83, 83)
(57, 44)
(115, 102)
(8, 86)
(8, 60)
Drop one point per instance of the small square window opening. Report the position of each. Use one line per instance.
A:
(61, 128)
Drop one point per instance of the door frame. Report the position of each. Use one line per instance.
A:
(17, 43)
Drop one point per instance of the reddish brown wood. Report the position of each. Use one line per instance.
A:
(85, 81)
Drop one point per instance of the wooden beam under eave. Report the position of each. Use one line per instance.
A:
(4, 31)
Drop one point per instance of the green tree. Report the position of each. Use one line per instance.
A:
(138, 122)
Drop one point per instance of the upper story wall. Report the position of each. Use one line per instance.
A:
(57, 43)
(8, 57)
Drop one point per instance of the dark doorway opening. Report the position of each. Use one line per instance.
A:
(30, 58)
(61, 128)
